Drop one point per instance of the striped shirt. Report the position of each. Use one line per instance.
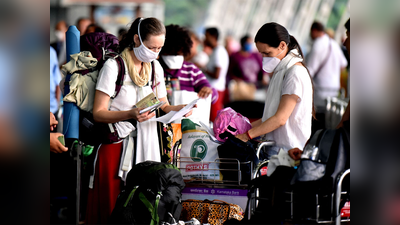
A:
(191, 78)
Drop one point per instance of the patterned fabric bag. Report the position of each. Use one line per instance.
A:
(214, 212)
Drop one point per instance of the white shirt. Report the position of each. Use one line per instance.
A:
(327, 82)
(297, 129)
(147, 139)
(127, 96)
(219, 58)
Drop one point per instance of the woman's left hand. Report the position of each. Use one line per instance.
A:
(242, 137)
(190, 112)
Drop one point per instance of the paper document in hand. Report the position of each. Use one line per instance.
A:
(152, 108)
(201, 113)
(174, 115)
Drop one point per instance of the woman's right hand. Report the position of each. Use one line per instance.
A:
(205, 92)
(134, 113)
(243, 137)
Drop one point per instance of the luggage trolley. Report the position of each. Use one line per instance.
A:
(316, 205)
(322, 206)
(232, 191)
(334, 110)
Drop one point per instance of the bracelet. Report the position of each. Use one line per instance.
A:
(248, 135)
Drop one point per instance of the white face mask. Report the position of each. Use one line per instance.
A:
(173, 62)
(142, 52)
(60, 36)
(270, 63)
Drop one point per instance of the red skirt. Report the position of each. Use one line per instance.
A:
(106, 186)
(218, 105)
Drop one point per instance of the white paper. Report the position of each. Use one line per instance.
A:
(201, 113)
(164, 119)
(210, 132)
(174, 115)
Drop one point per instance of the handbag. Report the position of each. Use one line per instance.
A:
(214, 212)
(245, 152)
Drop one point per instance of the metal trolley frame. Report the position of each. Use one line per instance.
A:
(336, 196)
(225, 184)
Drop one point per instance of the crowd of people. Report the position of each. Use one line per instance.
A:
(273, 61)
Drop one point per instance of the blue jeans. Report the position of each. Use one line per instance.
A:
(267, 151)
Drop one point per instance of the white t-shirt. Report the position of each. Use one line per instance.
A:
(128, 95)
(218, 58)
(147, 147)
(297, 129)
(327, 82)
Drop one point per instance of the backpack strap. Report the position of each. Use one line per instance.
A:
(152, 209)
(130, 195)
(153, 75)
(121, 72)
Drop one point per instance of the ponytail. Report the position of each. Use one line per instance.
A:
(293, 44)
(127, 38)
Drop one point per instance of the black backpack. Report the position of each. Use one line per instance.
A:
(152, 195)
(325, 156)
(102, 46)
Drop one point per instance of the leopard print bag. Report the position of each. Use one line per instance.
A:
(214, 212)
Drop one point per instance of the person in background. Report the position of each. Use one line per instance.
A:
(198, 53)
(345, 121)
(176, 47)
(324, 62)
(330, 32)
(94, 28)
(216, 69)
(59, 45)
(231, 45)
(82, 24)
(138, 48)
(121, 32)
(55, 78)
(246, 65)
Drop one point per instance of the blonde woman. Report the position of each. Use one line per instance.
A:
(139, 47)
